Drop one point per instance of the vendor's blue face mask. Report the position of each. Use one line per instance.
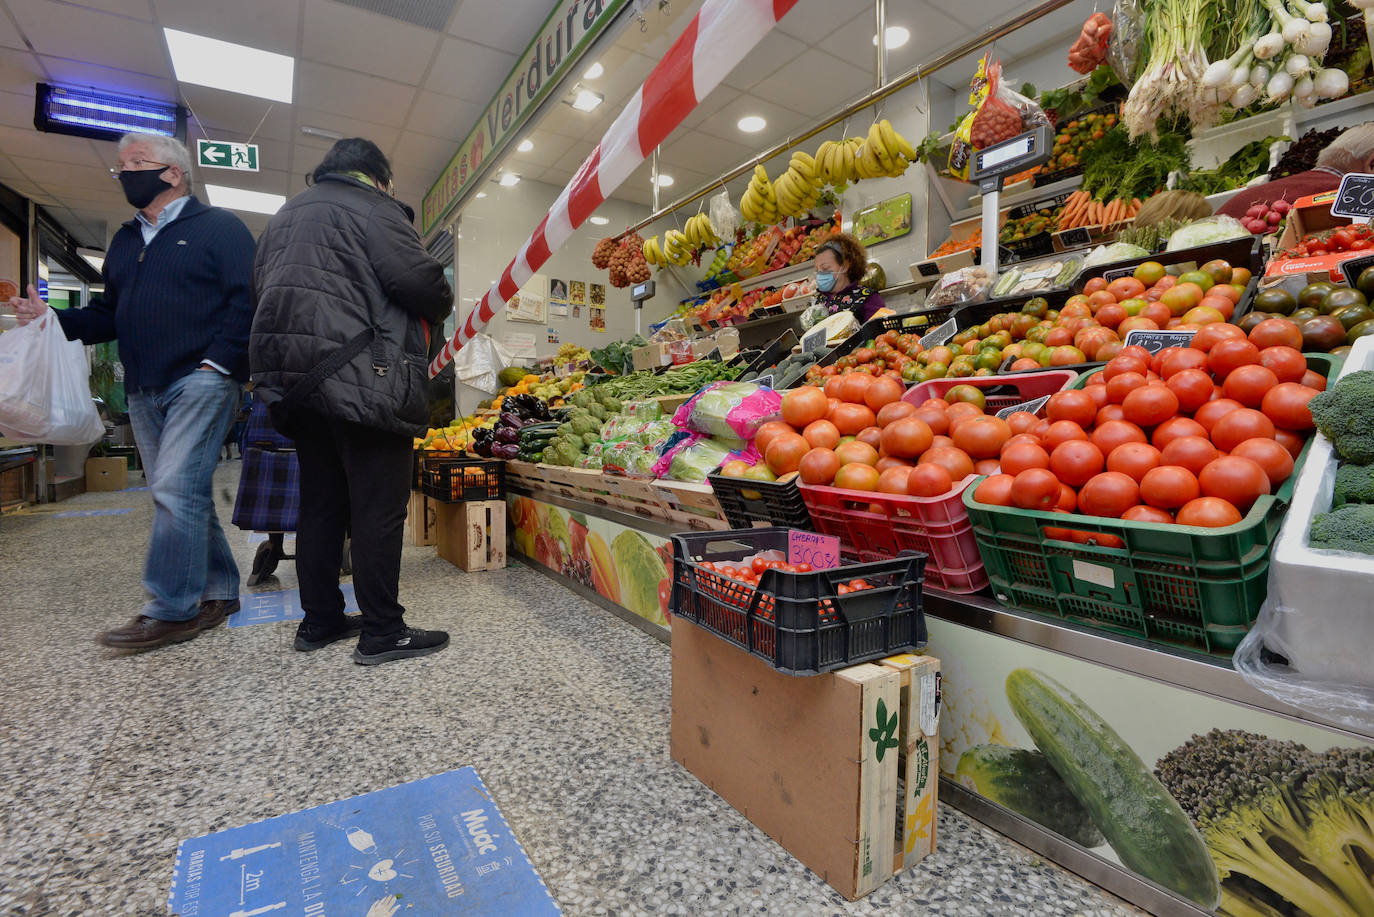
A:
(825, 281)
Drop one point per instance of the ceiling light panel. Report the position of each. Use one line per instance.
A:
(243, 199)
(231, 67)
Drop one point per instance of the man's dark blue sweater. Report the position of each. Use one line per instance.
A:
(182, 299)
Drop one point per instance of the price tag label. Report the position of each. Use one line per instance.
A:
(822, 552)
(1031, 406)
(813, 340)
(1352, 270)
(1096, 574)
(713, 355)
(1355, 196)
(1155, 341)
(1109, 276)
(928, 269)
(939, 335)
(765, 381)
(1074, 238)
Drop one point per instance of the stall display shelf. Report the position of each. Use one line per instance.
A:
(692, 506)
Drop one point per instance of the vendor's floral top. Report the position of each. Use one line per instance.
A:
(860, 300)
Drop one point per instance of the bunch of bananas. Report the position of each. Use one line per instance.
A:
(835, 161)
(799, 188)
(676, 249)
(701, 233)
(885, 153)
(760, 202)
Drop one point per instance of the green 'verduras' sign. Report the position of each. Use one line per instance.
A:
(223, 154)
(571, 26)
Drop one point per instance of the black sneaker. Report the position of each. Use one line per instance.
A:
(309, 641)
(410, 643)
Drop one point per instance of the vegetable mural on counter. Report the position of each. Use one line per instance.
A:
(624, 566)
(1235, 821)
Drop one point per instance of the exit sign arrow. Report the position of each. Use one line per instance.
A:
(224, 154)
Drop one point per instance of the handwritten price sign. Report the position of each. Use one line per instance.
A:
(822, 552)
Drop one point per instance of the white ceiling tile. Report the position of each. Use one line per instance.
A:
(775, 51)
(781, 122)
(439, 115)
(19, 71)
(813, 20)
(234, 116)
(505, 24)
(137, 9)
(702, 152)
(69, 72)
(469, 71)
(382, 135)
(795, 87)
(374, 44)
(271, 181)
(16, 110)
(720, 97)
(664, 23)
(86, 35)
(55, 147)
(421, 151)
(548, 149)
(61, 176)
(346, 92)
(272, 25)
(9, 35)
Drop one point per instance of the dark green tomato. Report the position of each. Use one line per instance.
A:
(1352, 315)
(1365, 284)
(1302, 315)
(1361, 330)
(1249, 320)
(1276, 300)
(1340, 298)
(1311, 296)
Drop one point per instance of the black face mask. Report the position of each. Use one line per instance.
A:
(140, 188)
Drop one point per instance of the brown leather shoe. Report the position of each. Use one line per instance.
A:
(214, 612)
(143, 632)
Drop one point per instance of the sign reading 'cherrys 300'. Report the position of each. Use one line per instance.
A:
(571, 25)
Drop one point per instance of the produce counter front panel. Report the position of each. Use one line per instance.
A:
(625, 566)
(1239, 811)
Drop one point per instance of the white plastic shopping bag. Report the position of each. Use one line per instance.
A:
(479, 362)
(45, 387)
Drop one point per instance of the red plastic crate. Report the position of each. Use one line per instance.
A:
(875, 526)
(1000, 391)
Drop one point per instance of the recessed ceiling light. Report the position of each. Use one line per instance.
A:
(664, 181)
(525, 146)
(586, 100)
(598, 221)
(481, 194)
(320, 132)
(233, 68)
(243, 199)
(751, 124)
(896, 37)
(594, 71)
(509, 180)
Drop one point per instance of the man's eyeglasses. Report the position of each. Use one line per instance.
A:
(136, 165)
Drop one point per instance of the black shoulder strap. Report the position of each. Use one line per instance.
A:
(334, 362)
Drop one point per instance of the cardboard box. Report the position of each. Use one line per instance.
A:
(110, 473)
(650, 357)
(472, 535)
(917, 807)
(422, 520)
(1309, 214)
(803, 758)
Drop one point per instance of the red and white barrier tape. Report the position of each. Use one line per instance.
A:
(718, 37)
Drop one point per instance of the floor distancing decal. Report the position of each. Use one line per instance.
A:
(82, 513)
(433, 847)
(280, 605)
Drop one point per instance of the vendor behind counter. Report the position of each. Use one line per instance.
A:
(840, 264)
(1352, 151)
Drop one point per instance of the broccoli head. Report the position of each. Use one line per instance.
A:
(1354, 484)
(1291, 830)
(1345, 414)
(1348, 528)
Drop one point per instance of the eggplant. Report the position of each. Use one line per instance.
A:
(505, 450)
(483, 435)
(483, 448)
(509, 419)
(507, 435)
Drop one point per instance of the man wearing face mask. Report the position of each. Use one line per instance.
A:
(177, 298)
(840, 264)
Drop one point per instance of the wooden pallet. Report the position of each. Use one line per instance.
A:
(692, 506)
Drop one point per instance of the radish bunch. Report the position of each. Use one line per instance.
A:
(1262, 219)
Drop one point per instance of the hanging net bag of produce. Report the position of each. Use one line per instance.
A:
(998, 114)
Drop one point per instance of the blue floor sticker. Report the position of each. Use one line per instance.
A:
(81, 513)
(280, 605)
(432, 847)
(134, 490)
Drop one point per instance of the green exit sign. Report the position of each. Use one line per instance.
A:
(223, 154)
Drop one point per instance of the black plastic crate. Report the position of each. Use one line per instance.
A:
(420, 457)
(1042, 243)
(778, 503)
(799, 622)
(462, 480)
(919, 322)
(1245, 252)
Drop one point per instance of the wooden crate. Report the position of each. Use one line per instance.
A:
(422, 520)
(692, 506)
(917, 807)
(472, 535)
(803, 758)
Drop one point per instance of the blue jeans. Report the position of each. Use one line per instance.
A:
(180, 430)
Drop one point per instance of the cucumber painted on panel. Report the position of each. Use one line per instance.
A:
(1025, 782)
(1143, 823)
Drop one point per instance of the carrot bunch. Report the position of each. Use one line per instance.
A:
(1081, 210)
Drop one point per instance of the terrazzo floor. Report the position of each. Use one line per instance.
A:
(110, 759)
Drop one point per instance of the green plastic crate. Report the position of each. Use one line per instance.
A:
(1169, 584)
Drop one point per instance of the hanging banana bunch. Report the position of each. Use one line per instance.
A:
(653, 253)
(676, 247)
(760, 201)
(799, 188)
(885, 153)
(700, 233)
(835, 161)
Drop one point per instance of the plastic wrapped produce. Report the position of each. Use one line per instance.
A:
(694, 458)
(730, 410)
